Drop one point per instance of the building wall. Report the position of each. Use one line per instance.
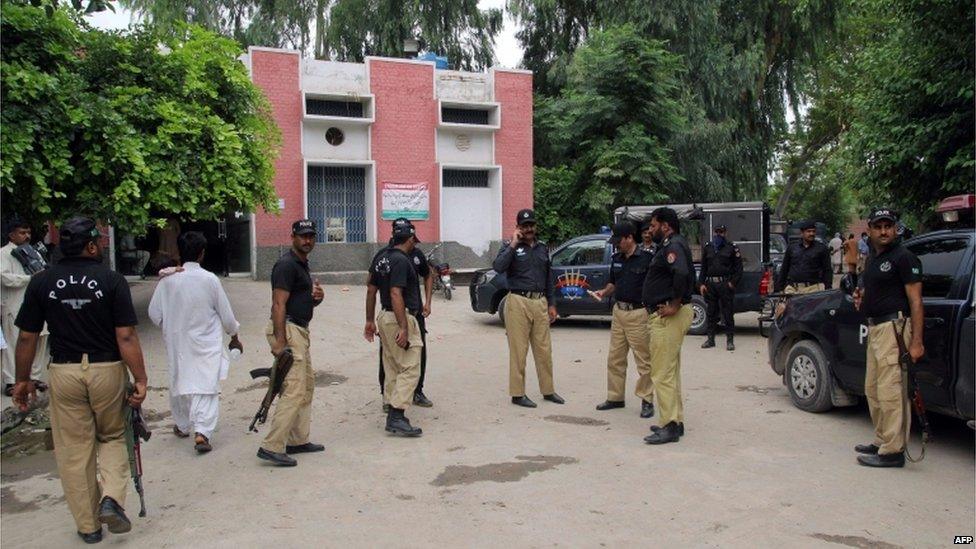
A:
(277, 74)
(403, 134)
(513, 143)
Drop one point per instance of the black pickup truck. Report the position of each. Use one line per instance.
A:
(583, 263)
(818, 344)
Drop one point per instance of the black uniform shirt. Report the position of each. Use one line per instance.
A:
(725, 261)
(82, 302)
(395, 269)
(291, 273)
(671, 273)
(808, 264)
(627, 274)
(527, 267)
(418, 258)
(884, 279)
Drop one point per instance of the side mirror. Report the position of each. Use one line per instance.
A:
(848, 283)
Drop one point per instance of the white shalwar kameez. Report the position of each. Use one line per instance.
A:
(194, 313)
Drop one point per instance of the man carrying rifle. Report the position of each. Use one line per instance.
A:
(890, 295)
(88, 310)
(294, 296)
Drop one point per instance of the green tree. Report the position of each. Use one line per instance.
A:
(130, 128)
(605, 135)
(345, 30)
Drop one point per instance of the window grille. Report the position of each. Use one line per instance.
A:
(464, 116)
(337, 202)
(472, 179)
(327, 107)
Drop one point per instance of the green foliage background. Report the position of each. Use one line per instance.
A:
(131, 128)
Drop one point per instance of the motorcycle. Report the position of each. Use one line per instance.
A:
(442, 280)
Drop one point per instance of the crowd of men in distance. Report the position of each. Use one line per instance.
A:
(94, 346)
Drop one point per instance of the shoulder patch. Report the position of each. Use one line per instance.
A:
(672, 257)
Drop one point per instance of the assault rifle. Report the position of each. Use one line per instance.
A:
(276, 374)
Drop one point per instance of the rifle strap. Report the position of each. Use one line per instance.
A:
(906, 403)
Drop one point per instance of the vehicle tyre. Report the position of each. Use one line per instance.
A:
(808, 377)
(447, 293)
(501, 309)
(699, 319)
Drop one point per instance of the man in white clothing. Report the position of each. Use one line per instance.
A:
(836, 252)
(15, 279)
(194, 313)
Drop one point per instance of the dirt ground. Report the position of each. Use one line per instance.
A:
(752, 470)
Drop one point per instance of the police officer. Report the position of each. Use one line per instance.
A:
(667, 296)
(647, 241)
(422, 267)
(721, 270)
(806, 264)
(891, 293)
(88, 310)
(530, 308)
(628, 329)
(399, 329)
(293, 297)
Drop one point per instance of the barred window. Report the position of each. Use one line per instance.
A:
(464, 116)
(328, 107)
(473, 179)
(337, 202)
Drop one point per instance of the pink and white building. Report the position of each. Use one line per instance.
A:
(363, 143)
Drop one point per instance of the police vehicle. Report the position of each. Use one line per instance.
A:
(818, 344)
(583, 263)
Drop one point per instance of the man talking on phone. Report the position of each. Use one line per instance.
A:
(529, 309)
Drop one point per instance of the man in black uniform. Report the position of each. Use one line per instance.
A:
(806, 264)
(399, 329)
(628, 329)
(88, 311)
(422, 267)
(721, 270)
(530, 307)
(293, 297)
(890, 293)
(647, 241)
(667, 296)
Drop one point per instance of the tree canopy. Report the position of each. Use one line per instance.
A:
(128, 127)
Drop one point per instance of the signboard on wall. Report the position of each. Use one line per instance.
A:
(409, 200)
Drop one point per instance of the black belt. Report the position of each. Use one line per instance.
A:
(528, 294)
(875, 320)
(803, 284)
(297, 322)
(411, 312)
(627, 306)
(716, 278)
(75, 358)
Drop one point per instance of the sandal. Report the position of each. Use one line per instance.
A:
(177, 432)
(202, 445)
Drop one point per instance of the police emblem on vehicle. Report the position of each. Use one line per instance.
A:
(572, 285)
(885, 267)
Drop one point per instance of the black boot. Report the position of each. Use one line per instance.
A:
(610, 405)
(709, 343)
(523, 401)
(882, 460)
(308, 447)
(681, 429)
(111, 514)
(277, 458)
(668, 433)
(92, 537)
(554, 398)
(420, 399)
(729, 343)
(647, 409)
(398, 424)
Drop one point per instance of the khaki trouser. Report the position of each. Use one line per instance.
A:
(800, 290)
(667, 335)
(884, 387)
(400, 366)
(527, 323)
(88, 426)
(293, 413)
(629, 331)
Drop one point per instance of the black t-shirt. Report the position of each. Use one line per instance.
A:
(82, 301)
(291, 273)
(395, 269)
(417, 257)
(671, 273)
(884, 279)
(627, 274)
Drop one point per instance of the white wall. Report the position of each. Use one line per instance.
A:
(479, 147)
(334, 77)
(472, 216)
(463, 86)
(355, 146)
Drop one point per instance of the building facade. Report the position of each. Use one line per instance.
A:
(364, 143)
